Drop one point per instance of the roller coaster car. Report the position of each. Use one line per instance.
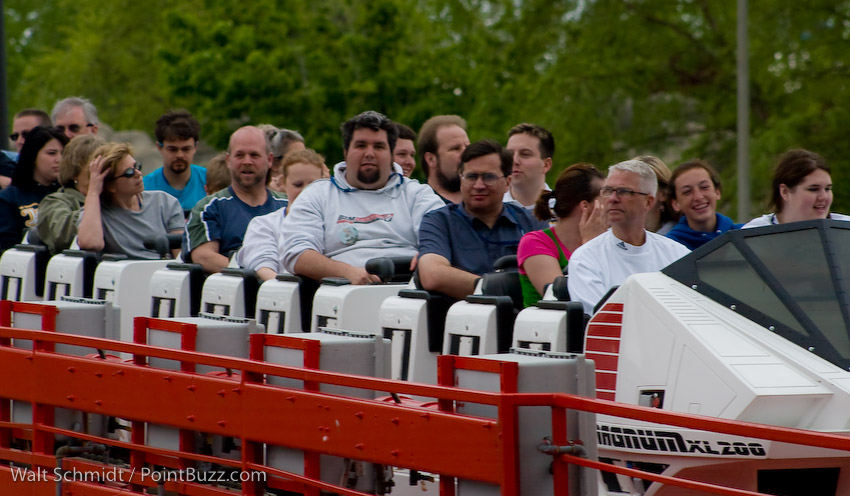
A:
(118, 279)
(752, 326)
(553, 323)
(233, 291)
(285, 303)
(339, 304)
(483, 322)
(22, 271)
(71, 273)
(176, 290)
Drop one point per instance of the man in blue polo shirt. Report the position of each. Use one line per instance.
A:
(177, 135)
(217, 224)
(460, 242)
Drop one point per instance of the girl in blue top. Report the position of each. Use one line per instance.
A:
(695, 189)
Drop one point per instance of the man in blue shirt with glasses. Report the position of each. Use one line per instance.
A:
(460, 242)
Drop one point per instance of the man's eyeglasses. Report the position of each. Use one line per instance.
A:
(131, 171)
(623, 193)
(15, 136)
(74, 128)
(488, 178)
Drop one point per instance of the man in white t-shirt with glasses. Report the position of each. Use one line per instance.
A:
(626, 248)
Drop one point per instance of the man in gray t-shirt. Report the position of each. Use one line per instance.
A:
(124, 230)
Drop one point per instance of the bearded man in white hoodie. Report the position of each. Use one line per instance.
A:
(367, 209)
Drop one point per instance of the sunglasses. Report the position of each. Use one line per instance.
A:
(131, 171)
(74, 128)
(15, 136)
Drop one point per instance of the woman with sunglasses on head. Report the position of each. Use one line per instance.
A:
(118, 214)
(695, 190)
(802, 190)
(542, 255)
(34, 178)
(59, 212)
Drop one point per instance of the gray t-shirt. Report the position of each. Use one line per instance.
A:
(124, 231)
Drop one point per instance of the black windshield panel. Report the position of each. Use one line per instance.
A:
(791, 278)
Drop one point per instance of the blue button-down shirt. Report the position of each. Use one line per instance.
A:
(467, 243)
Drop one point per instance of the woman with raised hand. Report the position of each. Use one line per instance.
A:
(118, 214)
(695, 189)
(34, 178)
(59, 212)
(260, 247)
(542, 255)
(802, 190)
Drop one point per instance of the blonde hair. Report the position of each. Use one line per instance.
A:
(113, 154)
(663, 176)
(76, 156)
(305, 156)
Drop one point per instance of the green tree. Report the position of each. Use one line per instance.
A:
(610, 78)
(102, 49)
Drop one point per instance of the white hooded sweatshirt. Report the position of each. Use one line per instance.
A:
(353, 225)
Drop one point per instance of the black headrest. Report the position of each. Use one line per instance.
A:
(560, 289)
(390, 269)
(164, 243)
(505, 263)
(503, 284)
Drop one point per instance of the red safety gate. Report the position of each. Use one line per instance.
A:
(239, 404)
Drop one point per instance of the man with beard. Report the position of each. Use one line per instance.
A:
(460, 242)
(217, 223)
(442, 139)
(367, 209)
(177, 141)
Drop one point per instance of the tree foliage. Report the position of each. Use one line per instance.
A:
(610, 78)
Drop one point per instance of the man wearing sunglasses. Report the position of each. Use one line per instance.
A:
(177, 133)
(75, 115)
(460, 242)
(23, 122)
(627, 247)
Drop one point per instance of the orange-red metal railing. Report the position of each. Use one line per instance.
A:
(245, 407)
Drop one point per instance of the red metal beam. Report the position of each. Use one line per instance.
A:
(689, 484)
(351, 428)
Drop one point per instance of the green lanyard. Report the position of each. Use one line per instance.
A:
(562, 259)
